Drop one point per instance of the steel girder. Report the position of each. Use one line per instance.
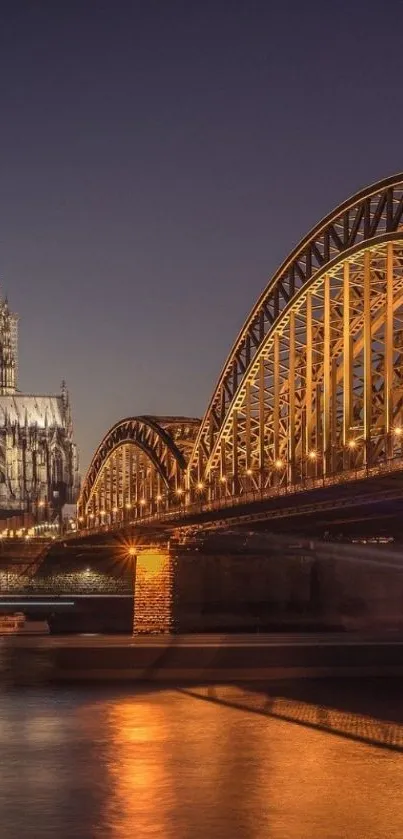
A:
(138, 465)
(313, 382)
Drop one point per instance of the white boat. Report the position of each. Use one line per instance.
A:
(18, 624)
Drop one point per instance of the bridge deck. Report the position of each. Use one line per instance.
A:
(313, 507)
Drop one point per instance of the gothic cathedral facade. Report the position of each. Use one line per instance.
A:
(38, 457)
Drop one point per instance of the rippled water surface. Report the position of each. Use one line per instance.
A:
(175, 765)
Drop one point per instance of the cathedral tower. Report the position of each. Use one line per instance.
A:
(8, 350)
(38, 456)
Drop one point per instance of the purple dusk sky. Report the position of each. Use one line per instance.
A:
(158, 160)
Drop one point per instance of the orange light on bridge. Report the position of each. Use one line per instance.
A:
(142, 501)
(223, 479)
(279, 463)
(200, 485)
(131, 551)
(351, 444)
(398, 431)
(312, 455)
(159, 497)
(128, 506)
(249, 472)
(179, 491)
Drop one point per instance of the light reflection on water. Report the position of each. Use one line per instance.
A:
(120, 764)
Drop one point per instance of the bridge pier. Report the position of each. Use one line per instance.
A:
(153, 592)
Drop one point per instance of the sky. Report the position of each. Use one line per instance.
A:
(158, 160)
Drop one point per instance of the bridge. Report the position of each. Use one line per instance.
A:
(303, 435)
(305, 421)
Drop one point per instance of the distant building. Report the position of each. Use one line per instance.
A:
(38, 458)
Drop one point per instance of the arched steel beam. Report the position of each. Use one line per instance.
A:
(250, 373)
(367, 217)
(143, 432)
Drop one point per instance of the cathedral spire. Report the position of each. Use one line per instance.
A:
(66, 406)
(7, 360)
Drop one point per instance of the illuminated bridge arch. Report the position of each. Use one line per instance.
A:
(313, 385)
(137, 469)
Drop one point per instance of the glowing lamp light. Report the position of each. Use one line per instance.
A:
(223, 479)
(312, 455)
(159, 497)
(249, 472)
(179, 491)
(352, 444)
(279, 463)
(128, 506)
(142, 501)
(41, 504)
(131, 551)
(200, 485)
(115, 509)
(398, 431)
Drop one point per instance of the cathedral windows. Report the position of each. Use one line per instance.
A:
(57, 467)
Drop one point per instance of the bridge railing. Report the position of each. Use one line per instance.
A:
(184, 511)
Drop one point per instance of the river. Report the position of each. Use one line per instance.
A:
(185, 764)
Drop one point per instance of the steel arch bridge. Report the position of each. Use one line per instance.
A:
(137, 469)
(313, 386)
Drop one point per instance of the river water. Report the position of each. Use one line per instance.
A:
(191, 764)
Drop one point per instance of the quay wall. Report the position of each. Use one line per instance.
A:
(265, 592)
(219, 591)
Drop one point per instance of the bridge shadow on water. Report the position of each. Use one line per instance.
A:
(368, 711)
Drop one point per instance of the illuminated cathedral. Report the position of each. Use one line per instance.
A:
(38, 457)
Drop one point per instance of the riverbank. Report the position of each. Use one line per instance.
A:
(212, 659)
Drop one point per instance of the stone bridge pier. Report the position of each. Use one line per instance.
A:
(221, 588)
(153, 590)
(216, 588)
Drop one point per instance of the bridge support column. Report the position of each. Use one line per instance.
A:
(153, 592)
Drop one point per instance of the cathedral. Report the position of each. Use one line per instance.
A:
(38, 458)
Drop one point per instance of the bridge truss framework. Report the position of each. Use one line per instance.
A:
(312, 388)
(137, 470)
